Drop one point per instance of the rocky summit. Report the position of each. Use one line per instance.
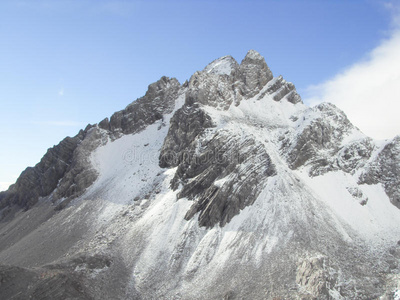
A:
(224, 187)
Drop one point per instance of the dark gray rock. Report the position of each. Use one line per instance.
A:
(80, 174)
(64, 173)
(254, 73)
(228, 174)
(41, 180)
(279, 89)
(355, 155)
(14, 282)
(224, 82)
(319, 140)
(70, 279)
(220, 156)
(185, 126)
(159, 100)
(240, 163)
(358, 195)
(385, 169)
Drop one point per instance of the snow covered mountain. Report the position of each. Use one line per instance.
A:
(224, 187)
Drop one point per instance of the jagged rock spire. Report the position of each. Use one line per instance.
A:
(254, 73)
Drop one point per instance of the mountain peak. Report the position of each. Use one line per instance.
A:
(223, 65)
(255, 72)
(253, 54)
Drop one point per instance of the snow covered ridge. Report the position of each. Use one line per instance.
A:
(226, 174)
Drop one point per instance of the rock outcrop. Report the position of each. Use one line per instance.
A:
(385, 169)
(317, 138)
(317, 280)
(41, 180)
(279, 88)
(158, 101)
(223, 174)
(254, 73)
(355, 155)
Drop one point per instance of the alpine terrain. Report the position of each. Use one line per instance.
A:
(224, 187)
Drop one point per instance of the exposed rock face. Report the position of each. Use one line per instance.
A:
(224, 82)
(385, 169)
(315, 280)
(254, 73)
(228, 173)
(355, 155)
(159, 100)
(80, 174)
(185, 126)
(279, 88)
(210, 159)
(64, 172)
(212, 89)
(358, 195)
(318, 139)
(42, 179)
(319, 144)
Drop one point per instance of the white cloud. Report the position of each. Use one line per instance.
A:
(369, 91)
(61, 92)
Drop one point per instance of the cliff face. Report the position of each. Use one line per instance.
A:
(43, 179)
(65, 171)
(225, 187)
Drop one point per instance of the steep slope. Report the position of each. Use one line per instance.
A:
(225, 187)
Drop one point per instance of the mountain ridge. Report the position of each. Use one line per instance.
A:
(228, 173)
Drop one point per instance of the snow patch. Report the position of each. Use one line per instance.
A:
(222, 66)
(396, 295)
(376, 221)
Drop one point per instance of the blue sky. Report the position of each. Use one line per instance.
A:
(64, 64)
